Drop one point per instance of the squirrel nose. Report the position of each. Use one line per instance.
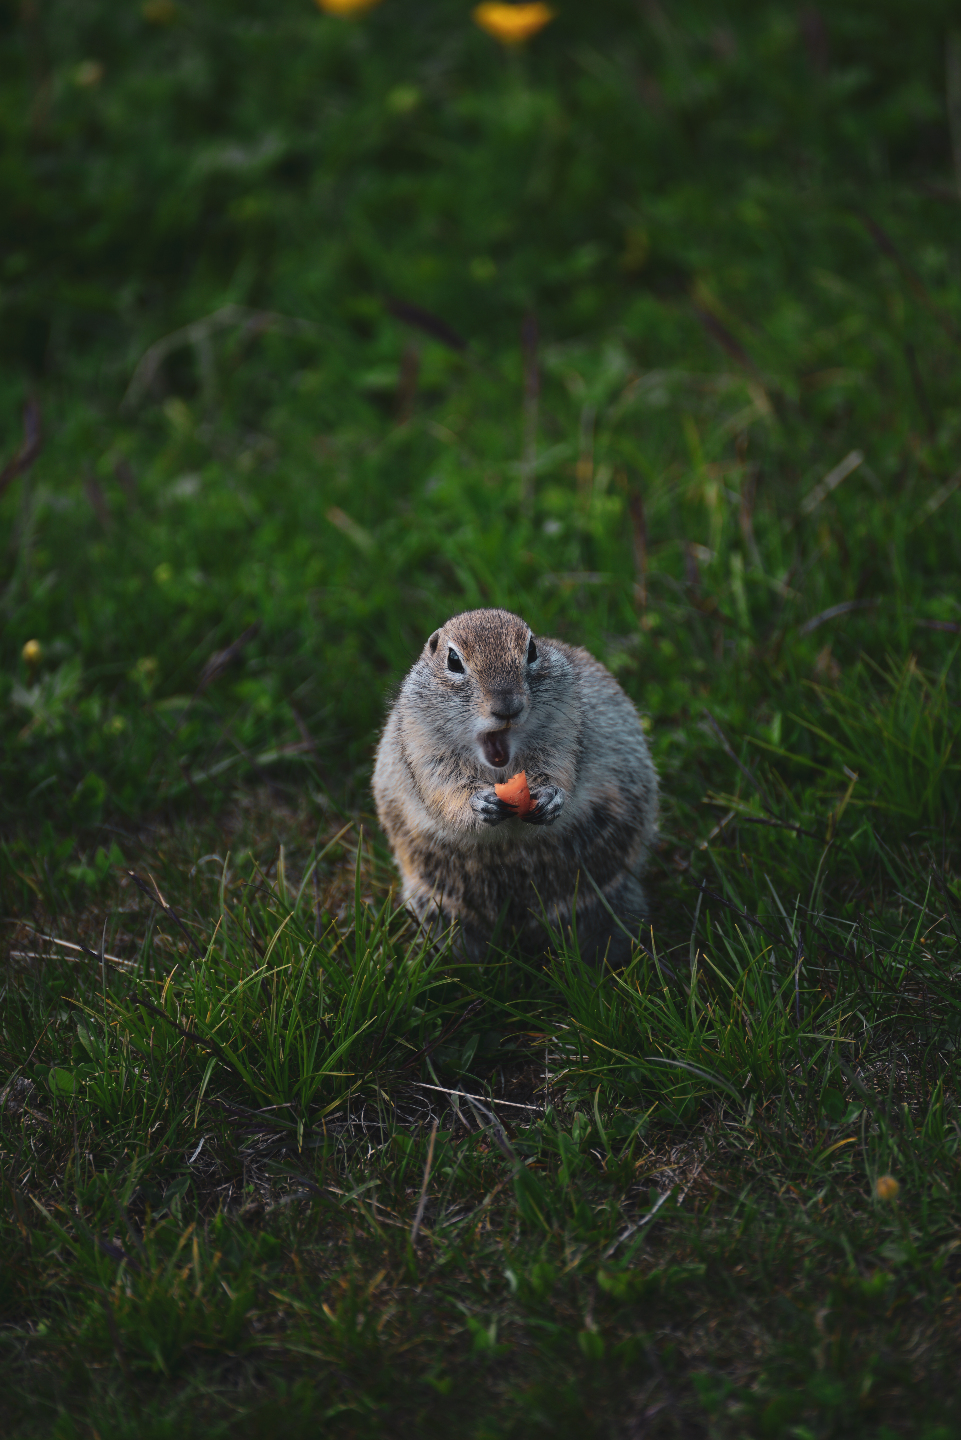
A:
(506, 707)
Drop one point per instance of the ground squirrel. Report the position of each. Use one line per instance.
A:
(487, 699)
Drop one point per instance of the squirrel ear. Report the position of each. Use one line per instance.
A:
(432, 642)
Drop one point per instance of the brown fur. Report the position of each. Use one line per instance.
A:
(452, 735)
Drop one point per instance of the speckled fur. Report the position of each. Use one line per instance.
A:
(578, 737)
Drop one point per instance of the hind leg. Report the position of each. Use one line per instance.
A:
(606, 940)
(446, 932)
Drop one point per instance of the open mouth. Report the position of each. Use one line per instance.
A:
(496, 747)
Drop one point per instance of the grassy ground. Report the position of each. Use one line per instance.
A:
(650, 332)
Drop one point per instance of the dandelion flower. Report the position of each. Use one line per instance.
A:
(886, 1187)
(512, 24)
(346, 8)
(32, 653)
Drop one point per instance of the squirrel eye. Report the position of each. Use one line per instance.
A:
(454, 662)
(531, 652)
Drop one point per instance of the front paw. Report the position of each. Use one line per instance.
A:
(490, 809)
(548, 802)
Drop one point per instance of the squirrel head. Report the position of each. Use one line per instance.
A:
(485, 664)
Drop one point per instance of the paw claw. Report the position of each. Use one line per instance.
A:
(489, 808)
(548, 804)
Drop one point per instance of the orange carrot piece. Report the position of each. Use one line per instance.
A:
(515, 792)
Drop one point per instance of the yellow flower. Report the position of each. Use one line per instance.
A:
(346, 8)
(512, 24)
(32, 653)
(886, 1187)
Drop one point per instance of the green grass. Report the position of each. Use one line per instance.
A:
(245, 1190)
